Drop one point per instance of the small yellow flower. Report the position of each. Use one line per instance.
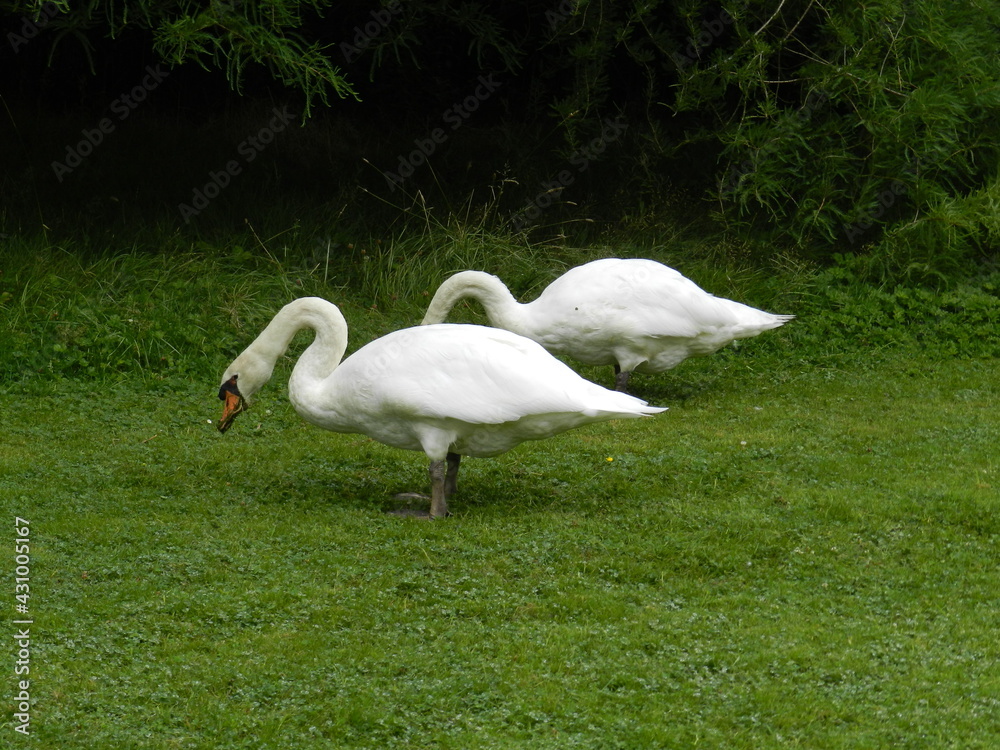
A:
(610, 459)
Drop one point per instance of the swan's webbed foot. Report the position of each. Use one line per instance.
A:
(410, 505)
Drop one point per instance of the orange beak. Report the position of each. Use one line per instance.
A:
(233, 403)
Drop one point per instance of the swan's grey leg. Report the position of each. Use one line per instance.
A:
(621, 379)
(439, 500)
(451, 478)
(444, 482)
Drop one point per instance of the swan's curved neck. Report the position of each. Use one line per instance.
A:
(319, 359)
(326, 351)
(499, 304)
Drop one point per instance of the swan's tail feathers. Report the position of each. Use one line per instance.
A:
(760, 322)
(625, 406)
(776, 321)
(648, 411)
(642, 411)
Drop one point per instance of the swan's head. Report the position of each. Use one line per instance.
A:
(233, 403)
(245, 376)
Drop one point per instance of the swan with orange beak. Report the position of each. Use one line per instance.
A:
(446, 390)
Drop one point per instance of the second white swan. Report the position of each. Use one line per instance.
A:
(635, 314)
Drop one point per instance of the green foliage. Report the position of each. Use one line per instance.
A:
(432, 247)
(857, 126)
(833, 127)
(227, 36)
(847, 311)
(233, 35)
(67, 314)
(827, 127)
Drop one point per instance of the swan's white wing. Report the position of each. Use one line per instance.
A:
(634, 298)
(611, 310)
(474, 374)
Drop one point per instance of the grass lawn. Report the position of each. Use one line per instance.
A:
(795, 555)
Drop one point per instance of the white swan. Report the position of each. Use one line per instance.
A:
(638, 315)
(446, 390)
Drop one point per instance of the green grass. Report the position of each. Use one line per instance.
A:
(801, 552)
(792, 558)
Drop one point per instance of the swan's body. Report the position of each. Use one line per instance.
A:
(638, 315)
(446, 390)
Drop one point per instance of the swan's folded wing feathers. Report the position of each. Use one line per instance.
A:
(623, 299)
(478, 375)
(491, 377)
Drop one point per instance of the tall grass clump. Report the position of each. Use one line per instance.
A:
(418, 263)
(70, 313)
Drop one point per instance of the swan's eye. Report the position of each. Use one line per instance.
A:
(229, 387)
